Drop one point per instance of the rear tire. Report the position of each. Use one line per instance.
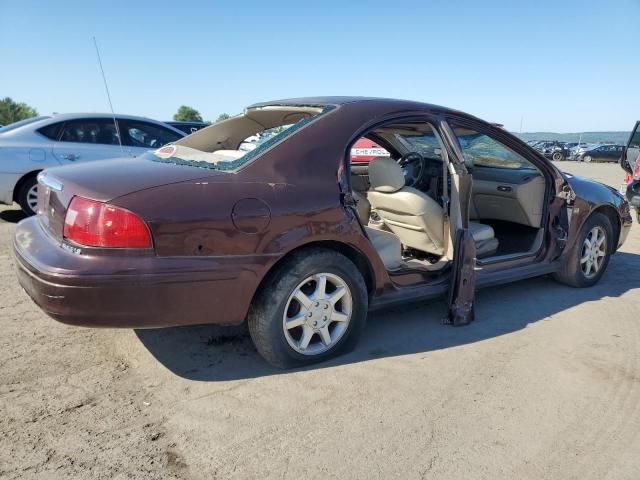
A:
(587, 159)
(323, 329)
(557, 157)
(28, 196)
(574, 265)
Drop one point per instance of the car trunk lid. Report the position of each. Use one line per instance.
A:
(104, 181)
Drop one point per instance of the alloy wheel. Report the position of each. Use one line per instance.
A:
(594, 251)
(317, 314)
(587, 159)
(32, 198)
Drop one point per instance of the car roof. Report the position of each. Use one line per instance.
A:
(74, 116)
(343, 100)
(62, 117)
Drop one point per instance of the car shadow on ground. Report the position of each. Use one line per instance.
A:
(12, 216)
(201, 354)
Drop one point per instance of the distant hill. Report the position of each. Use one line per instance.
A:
(588, 137)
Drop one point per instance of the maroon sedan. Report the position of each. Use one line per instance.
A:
(292, 238)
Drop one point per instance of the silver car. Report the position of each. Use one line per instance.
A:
(29, 146)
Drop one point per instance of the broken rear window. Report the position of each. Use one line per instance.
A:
(232, 143)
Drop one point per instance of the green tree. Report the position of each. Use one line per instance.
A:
(222, 116)
(11, 111)
(187, 114)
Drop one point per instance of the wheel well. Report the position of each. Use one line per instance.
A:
(20, 182)
(358, 258)
(612, 214)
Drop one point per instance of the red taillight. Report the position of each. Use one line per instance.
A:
(98, 224)
(636, 173)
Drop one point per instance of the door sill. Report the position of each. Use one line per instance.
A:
(504, 258)
(405, 295)
(513, 274)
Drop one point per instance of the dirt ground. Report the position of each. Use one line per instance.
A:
(544, 384)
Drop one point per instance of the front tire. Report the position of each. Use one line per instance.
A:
(557, 157)
(587, 260)
(28, 196)
(587, 159)
(312, 308)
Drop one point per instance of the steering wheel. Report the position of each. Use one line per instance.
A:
(413, 165)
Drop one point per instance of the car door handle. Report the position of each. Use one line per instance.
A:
(71, 156)
(504, 188)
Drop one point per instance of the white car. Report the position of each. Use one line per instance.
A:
(29, 146)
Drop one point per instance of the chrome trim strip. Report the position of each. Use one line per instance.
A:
(49, 182)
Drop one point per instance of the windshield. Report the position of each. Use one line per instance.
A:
(480, 150)
(426, 145)
(21, 123)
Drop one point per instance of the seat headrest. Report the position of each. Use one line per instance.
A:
(385, 175)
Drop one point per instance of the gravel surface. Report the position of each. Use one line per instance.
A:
(544, 384)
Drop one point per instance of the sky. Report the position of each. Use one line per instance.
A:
(562, 66)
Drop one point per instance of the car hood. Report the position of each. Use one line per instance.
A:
(105, 180)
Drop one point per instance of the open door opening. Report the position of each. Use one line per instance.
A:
(400, 188)
(507, 199)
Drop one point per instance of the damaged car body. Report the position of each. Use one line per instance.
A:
(300, 243)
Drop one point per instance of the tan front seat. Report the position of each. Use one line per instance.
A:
(412, 215)
(416, 218)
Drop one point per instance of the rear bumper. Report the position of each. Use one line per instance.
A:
(133, 292)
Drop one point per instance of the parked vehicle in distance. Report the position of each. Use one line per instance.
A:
(29, 146)
(600, 153)
(283, 236)
(187, 127)
(554, 150)
(630, 163)
(578, 149)
(563, 151)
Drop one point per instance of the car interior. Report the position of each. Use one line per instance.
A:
(401, 198)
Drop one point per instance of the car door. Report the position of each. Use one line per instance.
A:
(607, 153)
(139, 136)
(462, 287)
(502, 166)
(614, 153)
(88, 139)
(604, 153)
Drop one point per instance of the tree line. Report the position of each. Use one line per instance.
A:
(12, 111)
(190, 114)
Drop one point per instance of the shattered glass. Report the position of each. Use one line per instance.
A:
(232, 165)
